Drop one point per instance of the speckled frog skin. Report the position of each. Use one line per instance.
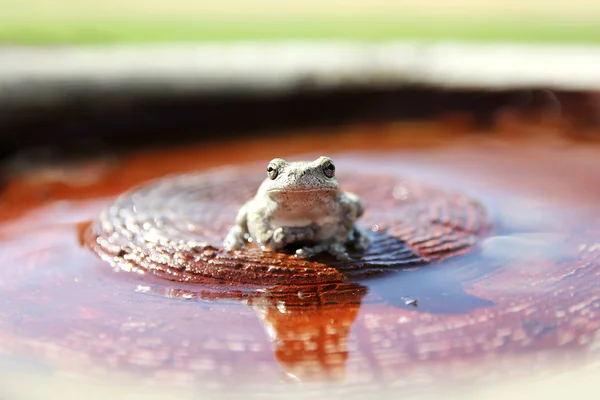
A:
(300, 206)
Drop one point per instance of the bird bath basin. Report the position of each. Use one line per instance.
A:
(521, 302)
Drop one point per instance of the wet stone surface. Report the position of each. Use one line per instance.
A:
(174, 228)
(519, 294)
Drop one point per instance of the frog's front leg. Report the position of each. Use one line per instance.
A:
(359, 239)
(336, 249)
(288, 235)
(237, 236)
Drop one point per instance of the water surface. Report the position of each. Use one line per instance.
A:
(523, 303)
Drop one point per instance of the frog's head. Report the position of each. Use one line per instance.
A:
(300, 178)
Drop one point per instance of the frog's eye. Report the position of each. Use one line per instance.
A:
(272, 172)
(329, 169)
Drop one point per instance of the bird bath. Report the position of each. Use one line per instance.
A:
(520, 302)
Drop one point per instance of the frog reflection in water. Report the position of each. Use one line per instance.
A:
(311, 333)
(300, 206)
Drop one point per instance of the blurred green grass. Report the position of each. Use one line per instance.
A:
(380, 28)
(140, 21)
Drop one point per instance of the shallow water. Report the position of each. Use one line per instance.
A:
(525, 302)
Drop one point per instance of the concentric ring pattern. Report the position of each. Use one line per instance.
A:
(174, 227)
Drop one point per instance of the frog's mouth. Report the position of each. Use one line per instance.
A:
(301, 190)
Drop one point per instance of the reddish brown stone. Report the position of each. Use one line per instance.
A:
(174, 227)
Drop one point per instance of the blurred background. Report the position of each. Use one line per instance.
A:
(98, 96)
(38, 22)
(119, 69)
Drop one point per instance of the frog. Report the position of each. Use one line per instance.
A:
(301, 207)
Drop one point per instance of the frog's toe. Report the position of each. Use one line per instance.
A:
(360, 240)
(310, 251)
(339, 252)
(362, 244)
(278, 235)
(235, 239)
(341, 256)
(304, 253)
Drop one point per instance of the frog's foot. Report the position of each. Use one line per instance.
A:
(284, 236)
(335, 249)
(235, 239)
(359, 239)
